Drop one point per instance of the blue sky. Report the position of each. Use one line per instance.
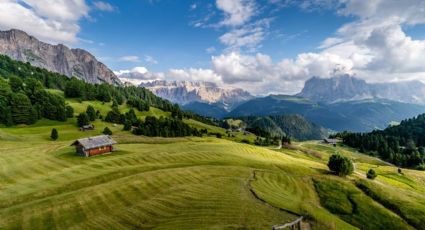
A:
(263, 46)
(165, 31)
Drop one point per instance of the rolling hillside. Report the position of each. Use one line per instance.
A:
(193, 183)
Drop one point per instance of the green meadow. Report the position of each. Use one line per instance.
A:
(193, 183)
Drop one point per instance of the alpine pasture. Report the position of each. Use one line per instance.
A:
(193, 183)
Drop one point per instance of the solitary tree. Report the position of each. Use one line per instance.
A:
(83, 119)
(91, 112)
(107, 131)
(340, 165)
(54, 134)
(371, 174)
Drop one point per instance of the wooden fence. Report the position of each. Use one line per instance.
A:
(296, 224)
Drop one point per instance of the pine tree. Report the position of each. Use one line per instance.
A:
(91, 112)
(83, 119)
(54, 134)
(69, 111)
(107, 131)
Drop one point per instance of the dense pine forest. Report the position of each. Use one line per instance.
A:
(402, 145)
(24, 100)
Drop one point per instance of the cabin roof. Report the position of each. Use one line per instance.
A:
(330, 140)
(95, 142)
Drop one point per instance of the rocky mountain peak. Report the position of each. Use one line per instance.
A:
(59, 58)
(349, 88)
(185, 92)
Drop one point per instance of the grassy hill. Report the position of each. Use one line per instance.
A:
(193, 183)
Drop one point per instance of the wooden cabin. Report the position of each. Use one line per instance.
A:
(330, 141)
(92, 146)
(87, 127)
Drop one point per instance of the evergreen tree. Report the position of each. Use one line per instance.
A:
(74, 88)
(54, 134)
(91, 112)
(107, 131)
(340, 165)
(69, 111)
(83, 119)
(20, 108)
(16, 84)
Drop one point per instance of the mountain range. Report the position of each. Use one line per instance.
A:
(337, 103)
(78, 63)
(348, 88)
(194, 94)
(359, 116)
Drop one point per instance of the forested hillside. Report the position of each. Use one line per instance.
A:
(294, 126)
(26, 96)
(402, 145)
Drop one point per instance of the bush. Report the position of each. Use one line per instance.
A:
(54, 134)
(107, 131)
(246, 141)
(371, 174)
(340, 165)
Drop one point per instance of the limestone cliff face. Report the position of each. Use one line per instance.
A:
(347, 88)
(59, 58)
(184, 92)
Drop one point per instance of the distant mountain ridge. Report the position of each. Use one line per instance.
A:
(347, 88)
(359, 116)
(79, 63)
(185, 92)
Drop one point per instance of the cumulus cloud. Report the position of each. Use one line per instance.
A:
(141, 74)
(51, 21)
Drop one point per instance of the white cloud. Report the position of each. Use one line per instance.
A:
(249, 36)
(210, 50)
(131, 58)
(150, 59)
(237, 12)
(103, 6)
(51, 21)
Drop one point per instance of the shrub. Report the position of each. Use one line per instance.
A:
(54, 134)
(371, 174)
(246, 141)
(107, 131)
(340, 165)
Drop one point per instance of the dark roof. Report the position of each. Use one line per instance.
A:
(330, 140)
(95, 142)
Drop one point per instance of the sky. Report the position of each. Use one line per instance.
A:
(262, 46)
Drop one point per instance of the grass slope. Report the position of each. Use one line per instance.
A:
(192, 183)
